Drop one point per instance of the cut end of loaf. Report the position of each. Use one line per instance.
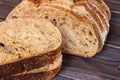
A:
(24, 38)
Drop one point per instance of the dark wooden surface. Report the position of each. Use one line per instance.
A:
(103, 66)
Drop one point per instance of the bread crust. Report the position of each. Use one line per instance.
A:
(28, 64)
(101, 12)
(105, 6)
(46, 75)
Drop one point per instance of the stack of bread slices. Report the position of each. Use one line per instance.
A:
(36, 31)
(30, 49)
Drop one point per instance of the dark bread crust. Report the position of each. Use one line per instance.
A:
(28, 64)
(47, 75)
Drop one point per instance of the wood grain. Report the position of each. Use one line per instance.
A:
(104, 66)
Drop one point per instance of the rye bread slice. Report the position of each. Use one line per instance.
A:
(44, 73)
(79, 36)
(26, 44)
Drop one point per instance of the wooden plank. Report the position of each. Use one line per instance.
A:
(94, 66)
(77, 73)
(62, 77)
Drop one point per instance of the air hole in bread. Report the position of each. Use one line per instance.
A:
(87, 14)
(107, 12)
(90, 41)
(38, 5)
(54, 19)
(94, 43)
(29, 51)
(54, 22)
(16, 49)
(75, 1)
(14, 17)
(86, 44)
(22, 48)
(90, 33)
(46, 17)
(42, 32)
(2, 45)
(95, 40)
(19, 56)
(14, 42)
(63, 18)
(86, 52)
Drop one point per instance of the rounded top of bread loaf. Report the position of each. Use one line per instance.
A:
(24, 38)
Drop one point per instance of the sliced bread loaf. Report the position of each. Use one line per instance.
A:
(86, 8)
(26, 44)
(28, 9)
(79, 36)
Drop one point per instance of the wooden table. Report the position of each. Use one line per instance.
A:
(103, 66)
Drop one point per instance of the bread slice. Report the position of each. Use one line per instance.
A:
(27, 44)
(44, 73)
(83, 8)
(79, 36)
(77, 39)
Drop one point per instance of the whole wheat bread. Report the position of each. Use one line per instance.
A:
(79, 37)
(86, 8)
(27, 44)
(80, 7)
(29, 9)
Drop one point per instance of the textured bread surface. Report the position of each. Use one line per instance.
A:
(87, 8)
(43, 73)
(26, 44)
(82, 10)
(79, 37)
(96, 6)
